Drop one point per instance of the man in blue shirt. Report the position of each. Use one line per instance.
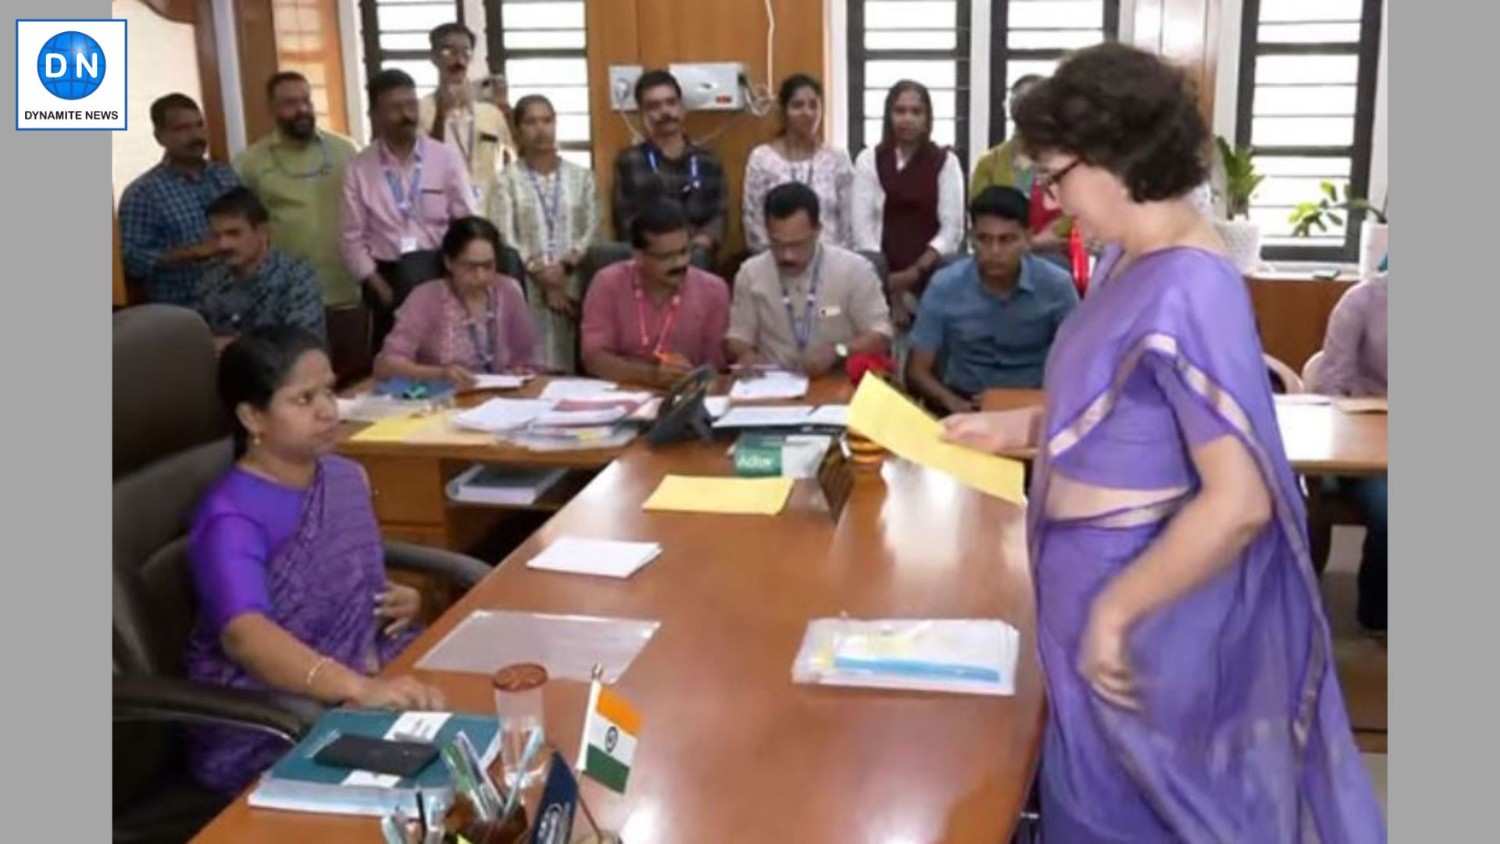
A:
(254, 285)
(989, 318)
(164, 234)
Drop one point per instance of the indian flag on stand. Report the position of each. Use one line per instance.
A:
(609, 731)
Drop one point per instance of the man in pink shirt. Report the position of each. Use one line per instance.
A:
(652, 319)
(400, 194)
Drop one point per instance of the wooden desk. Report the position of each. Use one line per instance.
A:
(731, 749)
(1319, 439)
(409, 480)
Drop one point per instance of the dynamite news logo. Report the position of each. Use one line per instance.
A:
(70, 74)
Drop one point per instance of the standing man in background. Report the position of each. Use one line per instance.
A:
(475, 128)
(297, 171)
(164, 236)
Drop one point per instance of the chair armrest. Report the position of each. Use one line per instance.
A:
(139, 697)
(460, 569)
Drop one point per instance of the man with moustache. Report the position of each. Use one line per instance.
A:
(298, 172)
(254, 285)
(654, 318)
(477, 129)
(400, 194)
(669, 166)
(164, 234)
(991, 317)
(803, 305)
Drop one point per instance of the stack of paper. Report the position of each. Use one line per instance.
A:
(752, 496)
(369, 407)
(772, 385)
(830, 415)
(499, 382)
(569, 388)
(501, 414)
(782, 416)
(603, 557)
(971, 656)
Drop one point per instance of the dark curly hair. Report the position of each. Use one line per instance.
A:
(1125, 110)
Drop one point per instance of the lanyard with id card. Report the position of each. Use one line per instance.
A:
(406, 202)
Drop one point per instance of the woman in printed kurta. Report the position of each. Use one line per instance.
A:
(799, 155)
(1191, 688)
(286, 560)
(546, 208)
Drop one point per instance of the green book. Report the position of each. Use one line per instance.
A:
(297, 783)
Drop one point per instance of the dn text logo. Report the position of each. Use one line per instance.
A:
(71, 65)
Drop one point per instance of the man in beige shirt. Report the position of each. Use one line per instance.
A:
(475, 127)
(802, 305)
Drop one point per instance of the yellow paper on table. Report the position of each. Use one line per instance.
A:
(900, 426)
(393, 430)
(685, 493)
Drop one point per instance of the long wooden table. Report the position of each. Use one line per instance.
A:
(1319, 439)
(731, 749)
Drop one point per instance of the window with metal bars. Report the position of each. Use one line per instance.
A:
(394, 33)
(924, 40)
(1032, 37)
(540, 47)
(1307, 108)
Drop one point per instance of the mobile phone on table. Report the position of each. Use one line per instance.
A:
(382, 756)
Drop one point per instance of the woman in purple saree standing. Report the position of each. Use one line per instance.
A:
(1191, 688)
(287, 561)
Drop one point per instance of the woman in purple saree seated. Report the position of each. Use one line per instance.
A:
(1190, 681)
(287, 560)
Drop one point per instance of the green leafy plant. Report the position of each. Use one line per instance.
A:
(1240, 178)
(1309, 215)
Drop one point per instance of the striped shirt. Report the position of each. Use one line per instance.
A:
(162, 210)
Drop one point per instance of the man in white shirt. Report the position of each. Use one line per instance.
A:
(475, 127)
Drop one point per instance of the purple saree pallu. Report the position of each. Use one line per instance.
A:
(322, 585)
(1242, 735)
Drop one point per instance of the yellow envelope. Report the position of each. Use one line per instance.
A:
(900, 426)
(393, 430)
(684, 493)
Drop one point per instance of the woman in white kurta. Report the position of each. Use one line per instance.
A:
(547, 209)
(798, 154)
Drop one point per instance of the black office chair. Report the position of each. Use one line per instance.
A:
(170, 445)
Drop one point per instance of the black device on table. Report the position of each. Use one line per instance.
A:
(404, 759)
(683, 414)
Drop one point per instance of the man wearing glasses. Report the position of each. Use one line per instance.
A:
(475, 127)
(654, 318)
(990, 318)
(802, 305)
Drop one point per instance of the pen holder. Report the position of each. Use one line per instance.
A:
(864, 453)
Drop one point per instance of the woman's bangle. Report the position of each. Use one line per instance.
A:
(312, 673)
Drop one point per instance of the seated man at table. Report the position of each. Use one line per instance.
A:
(990, 317)
(1354, 364)
(653, 318)
(804, 305)
(254, 285)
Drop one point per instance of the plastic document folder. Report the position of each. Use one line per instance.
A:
(750, 496)
(567, 645)
(893, 421)
(603, 557)
(967, 656)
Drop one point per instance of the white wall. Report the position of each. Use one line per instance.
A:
(152, 36)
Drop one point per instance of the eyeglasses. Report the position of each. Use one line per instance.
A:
(668, 256)
(1049, 182)
(456, 51)
(475, 266)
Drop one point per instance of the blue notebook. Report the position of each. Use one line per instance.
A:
(298, 783)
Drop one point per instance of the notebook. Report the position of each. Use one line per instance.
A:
(602, 557)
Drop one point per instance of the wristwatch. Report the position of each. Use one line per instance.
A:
(842, 350)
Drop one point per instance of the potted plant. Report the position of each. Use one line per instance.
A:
(1241, 235)
(1374, 232)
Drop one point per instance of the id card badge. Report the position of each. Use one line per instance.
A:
(408, 244)
(830, 311)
